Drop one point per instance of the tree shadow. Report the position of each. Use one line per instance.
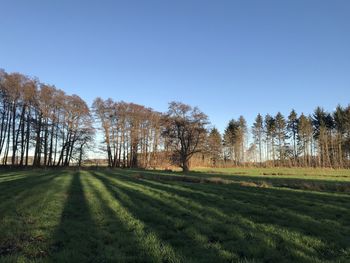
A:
(125, 236)
(76, 238)
(91, 231)
(21, 178)
(313, 214)
(22, 189)
(294, 182)
(111, 215)
(24, 223)
(200, 229)
(335, 206)
(157, 220)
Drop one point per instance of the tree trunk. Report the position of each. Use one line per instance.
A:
(185, 166)
(27, 137)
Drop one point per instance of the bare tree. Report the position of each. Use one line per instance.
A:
(184, 130)
(131, 132)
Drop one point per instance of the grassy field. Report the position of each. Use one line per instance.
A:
(221, 215)
(299, 173)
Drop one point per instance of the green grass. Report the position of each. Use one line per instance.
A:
(153, 216)
(304, 173)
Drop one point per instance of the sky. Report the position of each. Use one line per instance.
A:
(229, 58)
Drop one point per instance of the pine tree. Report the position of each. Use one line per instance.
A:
(292, 128)
(270, 136)
(280, 124)
(242, 131)
(258, 130)
(304, 138)
(215, 146)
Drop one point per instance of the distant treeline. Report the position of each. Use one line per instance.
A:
(321, 139)
(40, 125)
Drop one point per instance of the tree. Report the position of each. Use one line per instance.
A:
(321, 123)
(304, 138)
(270, 134)
(258, 131)
(292, 128)
(84, 141)
(346, 137)
(214, 146)
(280, 132)
(39, 119)
(242, 134)
(184, 130)
(339, 117)
(131, 132)
(234, 138)
(102, 113)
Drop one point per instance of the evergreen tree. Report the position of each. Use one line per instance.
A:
(270, 136)
(215, 146)
(258, 130)
(292, 128)
(280, 124)
(304, 138)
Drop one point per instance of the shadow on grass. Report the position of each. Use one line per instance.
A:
(295, 182)
(336, 205)
(320, 215)
(112, 216)
(23, 179)
(156, 220)
(21, 200)
(91, 231)
(227, 229)
(24, 188)
(124, 236)
(75, 239)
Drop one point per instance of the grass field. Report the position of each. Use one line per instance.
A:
(221, 215)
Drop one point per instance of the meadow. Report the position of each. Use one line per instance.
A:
(208, 215)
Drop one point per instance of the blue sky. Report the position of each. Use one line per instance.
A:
(227, 57)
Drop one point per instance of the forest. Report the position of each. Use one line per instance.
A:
(42, 126)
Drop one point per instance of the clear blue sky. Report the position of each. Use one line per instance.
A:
(227, 57)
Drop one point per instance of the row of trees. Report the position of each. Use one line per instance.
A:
(135, 136)
(319, 140)
(132, 133)
(41, 125)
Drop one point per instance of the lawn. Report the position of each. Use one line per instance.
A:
(154, 216)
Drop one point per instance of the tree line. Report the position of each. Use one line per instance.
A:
(131, 133)
(181, 136)
(136, 136)
(41, 125)
(321, 139)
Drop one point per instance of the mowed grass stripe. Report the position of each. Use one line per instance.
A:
(115, 216)
(248, 207)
